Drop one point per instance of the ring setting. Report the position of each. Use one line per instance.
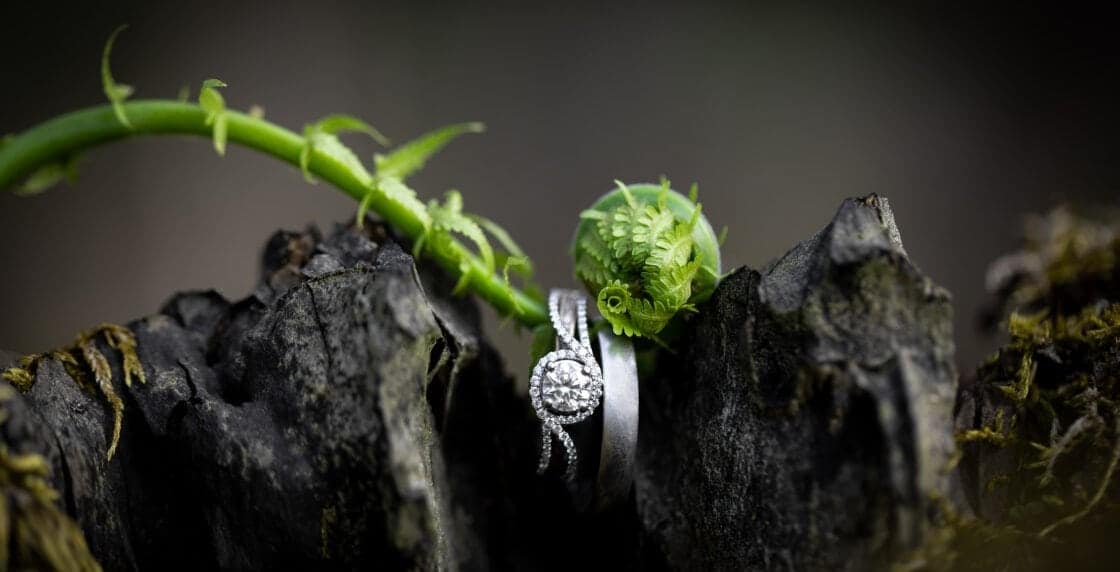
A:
(566, 385)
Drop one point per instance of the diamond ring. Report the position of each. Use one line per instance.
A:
(567, 383)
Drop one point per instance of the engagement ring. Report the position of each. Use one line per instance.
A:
(567, 383)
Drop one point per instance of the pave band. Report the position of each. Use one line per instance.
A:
(567, 383)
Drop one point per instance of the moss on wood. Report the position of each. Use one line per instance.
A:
(34, 533)
(1039, 427)
(82, 359)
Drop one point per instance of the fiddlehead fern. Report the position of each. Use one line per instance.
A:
(646, 253)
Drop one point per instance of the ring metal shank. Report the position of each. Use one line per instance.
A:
(620, 420)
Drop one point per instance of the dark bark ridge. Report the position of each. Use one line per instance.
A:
(349, 414)
(297, 427)
(809, 425)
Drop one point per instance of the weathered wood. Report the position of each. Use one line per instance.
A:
(299, 427)
(810, 420)
(349, 414)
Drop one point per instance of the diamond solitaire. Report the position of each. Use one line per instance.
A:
(567, 383)
(567, 386)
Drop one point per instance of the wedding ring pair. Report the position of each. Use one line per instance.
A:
(567, 386)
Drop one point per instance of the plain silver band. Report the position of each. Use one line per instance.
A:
(620, 420)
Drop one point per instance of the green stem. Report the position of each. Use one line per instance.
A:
(69, 134)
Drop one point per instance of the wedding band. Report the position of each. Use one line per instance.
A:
(620, 420)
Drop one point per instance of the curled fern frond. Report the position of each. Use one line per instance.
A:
(647, 253)
(614, 302)
(632, 229)
(650, 316)
(596, 264)
(671, 285)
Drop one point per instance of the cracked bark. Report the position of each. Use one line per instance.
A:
(291, 428)
(349, 414)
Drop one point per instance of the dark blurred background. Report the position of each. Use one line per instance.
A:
(966, 119)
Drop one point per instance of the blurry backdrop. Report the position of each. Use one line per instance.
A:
(966, 121)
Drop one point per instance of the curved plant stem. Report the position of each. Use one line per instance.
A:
(67, 135)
